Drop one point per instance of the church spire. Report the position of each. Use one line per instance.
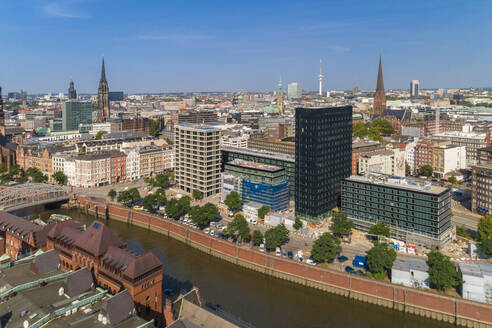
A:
(103, 72)
(379, 105)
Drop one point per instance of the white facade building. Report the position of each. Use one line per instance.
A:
(294, 90)
(446, 159)
(477, 285)
(390, 161)
(410, 273)
(132, 163)
(250, 211)
(240, 141)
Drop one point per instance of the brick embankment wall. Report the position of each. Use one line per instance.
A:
(422, 303)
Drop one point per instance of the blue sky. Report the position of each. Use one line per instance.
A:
(166, 46)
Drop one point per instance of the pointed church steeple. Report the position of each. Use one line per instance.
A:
(103, 96)
(103, 72)
(379, 105)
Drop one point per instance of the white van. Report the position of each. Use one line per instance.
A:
(278, 252)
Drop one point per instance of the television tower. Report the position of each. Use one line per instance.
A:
(320, 79)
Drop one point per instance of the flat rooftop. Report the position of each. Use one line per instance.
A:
(260, 153)
(255, 166)
(397, 182)
(410, 264)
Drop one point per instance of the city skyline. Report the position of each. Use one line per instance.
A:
(220, 50)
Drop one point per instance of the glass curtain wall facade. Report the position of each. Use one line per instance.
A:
(323, 159)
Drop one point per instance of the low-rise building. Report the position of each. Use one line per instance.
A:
(240, 141)
(389, 161)
(272, 145)
(446, 159)
(410, 273)
(361, 148)
(477, 281)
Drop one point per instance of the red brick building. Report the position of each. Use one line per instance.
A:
(114, 267)
(423, 154)
(117, 168)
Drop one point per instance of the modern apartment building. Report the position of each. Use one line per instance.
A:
(482, 188)
(75, 113)
(259, 183)
(417, 214)
(282, 160)
(323, 159)
(198, 158)
(294, 90)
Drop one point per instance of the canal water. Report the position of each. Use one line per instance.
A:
(261, 300)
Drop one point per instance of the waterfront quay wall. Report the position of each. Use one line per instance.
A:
(444, 308)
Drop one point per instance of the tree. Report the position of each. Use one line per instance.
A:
(160, 181)
(486, 246)
(154, 128)
(149, 180)
(408, 169)
(297, 224)
(262, 211)
(276, 237)
(257, 237)
(197, 194)
(176, 208)
(3, 168)
(485, 227)
(112, 194)
(238, 227)
(342, 226)
(453, 180)
(129, 196)
(380, 259)
(382, 126)
(21, 180)
(233, 201)
(59, 177)
(204, 215)
(35, 174)
(149, 202)
(360, 129)
(15, 170)
(161, 198)
(168, 141)
(99, 134)
(326, 248)
(442, 272)
(426, 170)
(380, 229)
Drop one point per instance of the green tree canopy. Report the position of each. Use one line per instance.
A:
(154, 128)
(176, 208)
(203, 215)
(382, 125)
(325, 248)
(129, 196)
(380, 259)
(149, 202)
(442, 272)
(426, 170)
(453, 180)
(380, 229)
(112, 194)
(297, 223)
(168, 141)
(233, 201)
(60, 177)
(238, 227)
(485, 227)
(262, 211)
(15, 170)
(3, 168)
(35, 174)
(197, 194)
(408, 169)
(99, 134)
(342, 226)
(257, 237)
(160, 180)
(276, 237)
(486, 246)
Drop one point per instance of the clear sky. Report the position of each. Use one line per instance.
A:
(180, 45)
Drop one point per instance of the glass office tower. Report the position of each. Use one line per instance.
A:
(323, 159)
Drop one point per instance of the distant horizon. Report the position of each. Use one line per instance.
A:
(195, 45)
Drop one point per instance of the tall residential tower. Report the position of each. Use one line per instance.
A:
(280, 97)
(103, 96)
(323, 159)
(379, 105)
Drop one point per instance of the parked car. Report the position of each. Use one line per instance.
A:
(284, 254)
(342, 258)
(310, 261)
(278, 252)
(206, 230)
(137, 208)
(290, 255)
(361, 273)
(212, 232)
(262, 247)
(349, 269)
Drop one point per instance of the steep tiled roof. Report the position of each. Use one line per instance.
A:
(46, 262)
(97, 239)
(17, 226)
(131, 264)
(119, 307)
(78, 282)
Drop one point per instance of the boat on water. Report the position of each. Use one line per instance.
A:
(58, 218)
(39, 222)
